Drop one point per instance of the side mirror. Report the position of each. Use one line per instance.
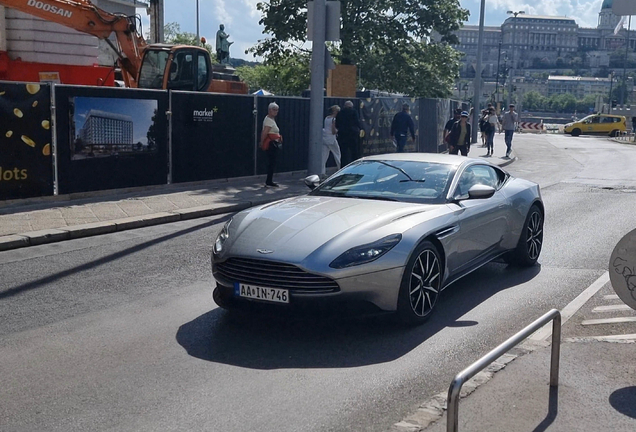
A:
(480, 192)
(312, 181)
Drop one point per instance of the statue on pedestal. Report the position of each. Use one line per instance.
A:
(222, 46)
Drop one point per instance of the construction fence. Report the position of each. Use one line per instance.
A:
(59, 139)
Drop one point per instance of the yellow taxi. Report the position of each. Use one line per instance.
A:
(606, 124)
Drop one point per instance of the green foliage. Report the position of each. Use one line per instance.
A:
(390, 40)
(287, 77)
(534, 101)
(173, 35)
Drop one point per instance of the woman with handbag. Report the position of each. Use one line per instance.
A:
(271, 141)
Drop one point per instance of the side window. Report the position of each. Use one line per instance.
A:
(152, 68)
(202, 72)
(479, 174)
(595, 119)
(617, 120)
(182, 71)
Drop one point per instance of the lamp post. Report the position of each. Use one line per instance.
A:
(609, 104)
(477, 85)
(498, 72)
(465, 88)
(629, 28)
(198, 37)
(514, 34)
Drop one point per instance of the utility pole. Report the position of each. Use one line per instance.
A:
(477, 85)
(609, 109)
(155, 13)
(514, 64)
(316, 98)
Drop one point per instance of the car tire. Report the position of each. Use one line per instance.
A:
(530, 242)
(421, 283)
(576, 132)
(614, 133)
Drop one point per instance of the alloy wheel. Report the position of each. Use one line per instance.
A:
(424, 283)
(534, 237)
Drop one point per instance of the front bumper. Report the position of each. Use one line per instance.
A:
(379, 290)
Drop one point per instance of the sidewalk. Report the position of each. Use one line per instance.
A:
(596, 393)
(51, 219)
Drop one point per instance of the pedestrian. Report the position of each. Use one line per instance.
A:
(509, 124)
(459, 138)
(401, 125)
(634, 125)
(271, 141)
(329, 139)
(349, 128)
(491, 126)
(449, 124)
(483, 119)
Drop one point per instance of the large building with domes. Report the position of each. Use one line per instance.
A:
(543, 42)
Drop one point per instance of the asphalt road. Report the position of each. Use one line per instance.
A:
(119, 332)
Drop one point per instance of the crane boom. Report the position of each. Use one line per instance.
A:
(84, 16)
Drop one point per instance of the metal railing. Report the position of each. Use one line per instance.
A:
(454, 390)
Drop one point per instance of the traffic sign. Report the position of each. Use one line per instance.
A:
(624, 7)
(622, 269)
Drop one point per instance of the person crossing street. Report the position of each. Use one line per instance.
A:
(509, 124)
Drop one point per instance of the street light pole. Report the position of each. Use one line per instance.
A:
(629, 28)
(477, 85)
(198, 37)
(514, 34)
(609, 105)
(497, 81)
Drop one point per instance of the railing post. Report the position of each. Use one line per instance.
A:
(452, 415)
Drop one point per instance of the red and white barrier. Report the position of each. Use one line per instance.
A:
(531, 127)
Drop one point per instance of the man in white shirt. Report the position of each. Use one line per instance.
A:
(509, 124)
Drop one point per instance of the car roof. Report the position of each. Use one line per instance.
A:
(441, 158)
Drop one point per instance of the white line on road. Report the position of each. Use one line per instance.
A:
(610, 297)
(612, 308)
(625, 337)
(608, 321)
(546, 331)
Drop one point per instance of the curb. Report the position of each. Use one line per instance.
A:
(36, 238)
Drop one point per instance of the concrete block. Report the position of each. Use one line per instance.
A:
(13, 242)
(90, 229)
(47, 236)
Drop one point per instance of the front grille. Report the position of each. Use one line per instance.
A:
(275, 275)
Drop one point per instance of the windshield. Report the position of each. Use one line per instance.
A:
(152, 69)
(406, 181)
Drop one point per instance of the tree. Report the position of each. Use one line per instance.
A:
(288, 77)
(173, 35)
(390, 40)
(534, 100)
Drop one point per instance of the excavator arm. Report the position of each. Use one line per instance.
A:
(85, 17)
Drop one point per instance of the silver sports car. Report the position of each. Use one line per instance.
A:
(390, 231)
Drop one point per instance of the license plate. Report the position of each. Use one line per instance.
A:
(276, 295)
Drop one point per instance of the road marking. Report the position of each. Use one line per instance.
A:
(611, 308)
(608, 321)
(611, 297)
(546, 331)
(625, 337)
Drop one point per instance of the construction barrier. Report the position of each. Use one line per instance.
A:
(531, 127)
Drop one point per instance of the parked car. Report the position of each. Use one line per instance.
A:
(391, 231)
(604, 124)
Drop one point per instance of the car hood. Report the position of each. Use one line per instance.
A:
(292, 229)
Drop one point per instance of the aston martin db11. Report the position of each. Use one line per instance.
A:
(390, 231)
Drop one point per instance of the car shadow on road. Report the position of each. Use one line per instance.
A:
(277, 343)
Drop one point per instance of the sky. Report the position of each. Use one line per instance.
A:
(241, 16)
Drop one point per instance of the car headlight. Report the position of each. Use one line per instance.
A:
(366, 253)
(222, 237)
